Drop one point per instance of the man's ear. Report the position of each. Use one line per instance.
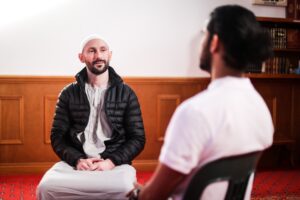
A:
(215, 43)
(80, 56)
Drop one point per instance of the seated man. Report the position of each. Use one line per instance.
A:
(228, 118)
(97, 131)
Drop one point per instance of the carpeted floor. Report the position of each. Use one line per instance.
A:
(269, 185)
(22, 187)
(277, 185)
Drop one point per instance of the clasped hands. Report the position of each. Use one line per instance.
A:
(94, 164)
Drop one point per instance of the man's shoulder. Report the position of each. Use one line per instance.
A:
(69, 88)
(123, 84)
(200, 98)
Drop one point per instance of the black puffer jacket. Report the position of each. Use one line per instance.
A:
(123, 113)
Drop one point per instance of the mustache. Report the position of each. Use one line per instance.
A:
(99, 60)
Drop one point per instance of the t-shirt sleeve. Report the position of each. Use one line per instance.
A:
(186, 136)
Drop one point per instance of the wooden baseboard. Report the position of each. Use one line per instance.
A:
(24, 168)
(42, 167)
(145, 165)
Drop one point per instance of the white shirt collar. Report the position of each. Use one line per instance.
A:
(230, 80)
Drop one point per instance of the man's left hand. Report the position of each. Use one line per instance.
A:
(104, 165)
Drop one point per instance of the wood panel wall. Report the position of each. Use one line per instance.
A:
(27, 106)
(282, 96)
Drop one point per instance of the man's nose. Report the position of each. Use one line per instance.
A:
(97, 54)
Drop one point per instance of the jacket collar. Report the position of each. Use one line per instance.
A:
(114, 78)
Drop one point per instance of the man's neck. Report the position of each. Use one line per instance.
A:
(220, 69)
(98, 80)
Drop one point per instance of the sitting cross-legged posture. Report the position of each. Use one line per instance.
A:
(228, 118)
(97, 131)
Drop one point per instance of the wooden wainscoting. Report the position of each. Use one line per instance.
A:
(27, 106)
(282, 96)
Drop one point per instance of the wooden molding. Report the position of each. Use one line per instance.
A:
(48, 115)
(145, 165)
(25, 168)
(164, 80)
(293, 114)
(35, 79)
(14, 79)
(9, 123)
(274, 111)
(164, 112)
(272, 104)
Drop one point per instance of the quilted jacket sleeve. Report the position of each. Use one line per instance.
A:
(135, 134)
(60, 139)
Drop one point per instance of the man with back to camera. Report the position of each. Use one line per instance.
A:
(228, 118)
(97, 131)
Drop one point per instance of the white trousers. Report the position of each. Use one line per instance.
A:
(63, 182)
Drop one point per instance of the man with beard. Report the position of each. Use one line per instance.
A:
(97, 131)
(228, 118)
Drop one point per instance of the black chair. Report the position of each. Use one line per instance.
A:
(235, 169)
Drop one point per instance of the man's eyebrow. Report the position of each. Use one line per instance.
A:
(91, 47)
(95, 48)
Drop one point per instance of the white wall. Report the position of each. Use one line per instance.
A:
(148, 37)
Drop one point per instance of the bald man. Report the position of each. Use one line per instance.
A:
(97, 131)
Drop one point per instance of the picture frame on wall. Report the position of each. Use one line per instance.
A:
(270, 2)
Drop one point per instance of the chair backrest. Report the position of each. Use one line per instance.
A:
(234, 169)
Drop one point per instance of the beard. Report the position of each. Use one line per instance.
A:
(96, 70)
(205, 58)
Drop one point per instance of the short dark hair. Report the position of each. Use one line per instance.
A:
(244, 40)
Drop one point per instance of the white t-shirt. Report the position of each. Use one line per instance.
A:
(228, 118)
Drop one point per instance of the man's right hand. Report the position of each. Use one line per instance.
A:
(87, 164)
